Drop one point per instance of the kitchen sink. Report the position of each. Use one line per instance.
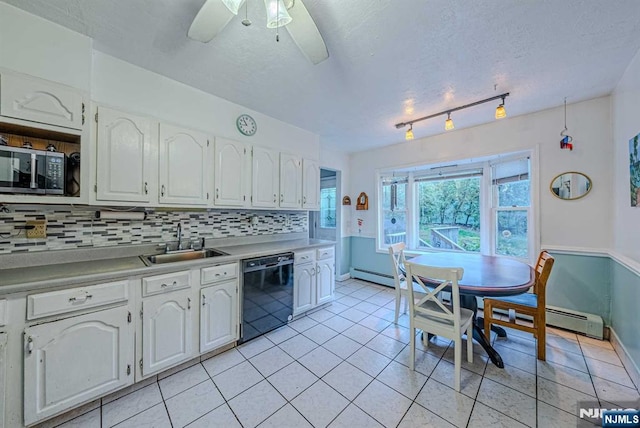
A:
(182, 256)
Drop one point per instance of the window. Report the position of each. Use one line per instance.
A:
(394, 209)
(449, 210)
(511, 199)
(328, 202)
(480, 206)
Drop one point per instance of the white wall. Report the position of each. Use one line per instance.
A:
(626, 125)
(32, 45)
(134, 89)
(584, 223)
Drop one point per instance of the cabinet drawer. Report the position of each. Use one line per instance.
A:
(164, 283)
(304, 257)
(218, 273)
(75, 299)
(325, 253)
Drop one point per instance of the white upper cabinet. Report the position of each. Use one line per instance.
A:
(184, 166)
(290, 181)
(126, 157)
(37, 100)
(311, 185)
(231, 170)
(265, 176)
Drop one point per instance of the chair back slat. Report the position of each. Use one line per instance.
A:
(543, 270)
(429, 305)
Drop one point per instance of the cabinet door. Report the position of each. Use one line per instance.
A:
(74, 360)
(167, 323)
(304, 287)
(184, 166)
(325, 282)
(230, 172)
(290, 181)
(38, 100)
(218, 315)
(127, 150)
(265, 175)
(311, 185)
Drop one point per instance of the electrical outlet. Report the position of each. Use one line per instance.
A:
(39, 230)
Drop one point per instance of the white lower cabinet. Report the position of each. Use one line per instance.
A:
(314, 279)
(304, 281)
(167, 325)
(218, 315)
(325, 280)
(74, 360)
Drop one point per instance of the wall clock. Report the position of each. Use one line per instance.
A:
(246, 125)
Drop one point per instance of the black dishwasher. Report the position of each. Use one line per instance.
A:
(267, 294)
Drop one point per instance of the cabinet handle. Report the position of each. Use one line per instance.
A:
(162, 190)
(188, 302)
(281, 198)
(146, 188)
(169, 285)
(217, 193)
(80, 299)
(275, 198)
(203, 300)
(30, 344)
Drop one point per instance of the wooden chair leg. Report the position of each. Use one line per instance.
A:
(470, 343)
(398, 298)
(542, 338)
(412, 348)
(457, 356)
(488, 314)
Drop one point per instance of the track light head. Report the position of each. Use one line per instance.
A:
(501, 113)
(448, 124)
(409, 134)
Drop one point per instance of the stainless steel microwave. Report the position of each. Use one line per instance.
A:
(31, 171)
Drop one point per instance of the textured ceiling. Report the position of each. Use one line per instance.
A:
(390, 60)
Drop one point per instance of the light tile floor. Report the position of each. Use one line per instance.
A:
(347, 366)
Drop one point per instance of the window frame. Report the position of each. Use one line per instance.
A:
(488, 203)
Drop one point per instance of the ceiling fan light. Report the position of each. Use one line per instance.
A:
(277, 15)
(233, 5)
(409, 134)
(448, 124)
(501, 113)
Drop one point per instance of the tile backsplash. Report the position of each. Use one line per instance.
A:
(69, 228)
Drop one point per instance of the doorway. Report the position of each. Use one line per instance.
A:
(326, 223)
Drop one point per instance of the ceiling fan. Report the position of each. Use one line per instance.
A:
(214, 16)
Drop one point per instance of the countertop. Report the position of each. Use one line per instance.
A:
(112, 268)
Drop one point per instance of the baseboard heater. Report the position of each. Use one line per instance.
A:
(580, 322)
(372, 276)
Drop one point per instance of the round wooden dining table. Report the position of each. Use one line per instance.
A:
(484, 276)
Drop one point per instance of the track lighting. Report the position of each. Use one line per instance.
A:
(448, 125)
(409, 134)
(501, 113)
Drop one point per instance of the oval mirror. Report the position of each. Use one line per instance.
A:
(570, 185)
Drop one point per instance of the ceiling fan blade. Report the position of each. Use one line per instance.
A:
(210, 20)
(305, 33)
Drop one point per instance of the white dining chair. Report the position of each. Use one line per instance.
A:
(431, 315)
(396, 252)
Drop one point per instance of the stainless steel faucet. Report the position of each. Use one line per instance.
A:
(179, 236)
